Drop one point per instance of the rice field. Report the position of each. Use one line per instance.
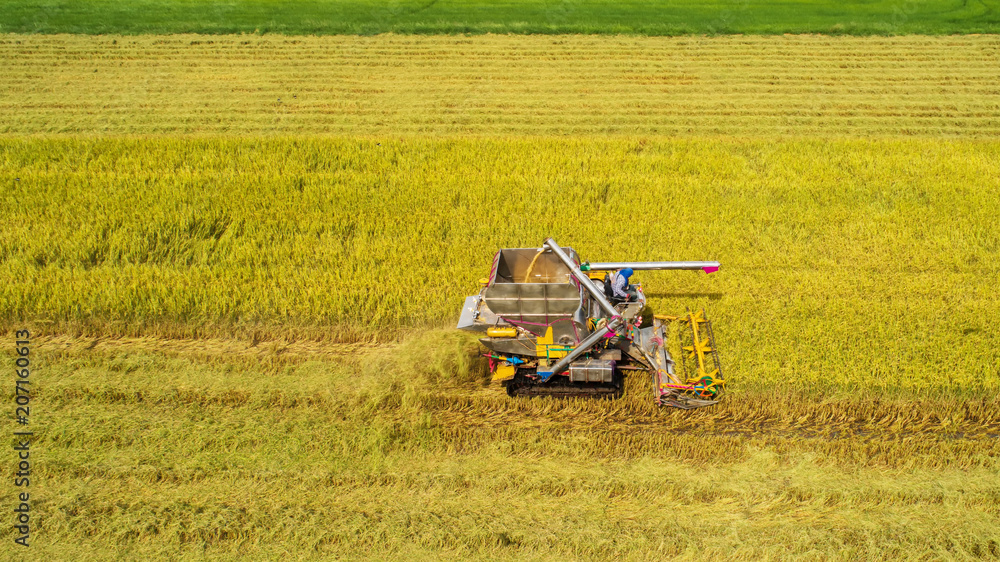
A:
(242, 308)
(850, 264)
(231, 449)
(745, 86)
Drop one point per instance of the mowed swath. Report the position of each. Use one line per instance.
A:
(162, 449)
(485, 85)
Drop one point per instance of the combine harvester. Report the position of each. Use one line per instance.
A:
(553, 328)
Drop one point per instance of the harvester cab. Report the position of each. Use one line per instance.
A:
(551, 328)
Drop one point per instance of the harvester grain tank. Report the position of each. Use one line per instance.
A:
(552, 327)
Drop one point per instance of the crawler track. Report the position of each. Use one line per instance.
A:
(522, 385)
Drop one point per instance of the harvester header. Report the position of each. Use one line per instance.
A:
(556, 326)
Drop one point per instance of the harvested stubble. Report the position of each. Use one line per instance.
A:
(817, 86)
(210, 451)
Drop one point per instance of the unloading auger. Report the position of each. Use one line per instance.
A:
(552, 328)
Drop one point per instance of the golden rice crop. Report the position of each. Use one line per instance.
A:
(851, 264)
(816, 86)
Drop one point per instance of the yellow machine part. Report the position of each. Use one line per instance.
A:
(505, 332)
(700, 348)
(545, 347)
(504, 372)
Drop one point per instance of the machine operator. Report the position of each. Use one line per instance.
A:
(621, 291)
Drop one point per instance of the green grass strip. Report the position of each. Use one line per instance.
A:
(653, 17)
